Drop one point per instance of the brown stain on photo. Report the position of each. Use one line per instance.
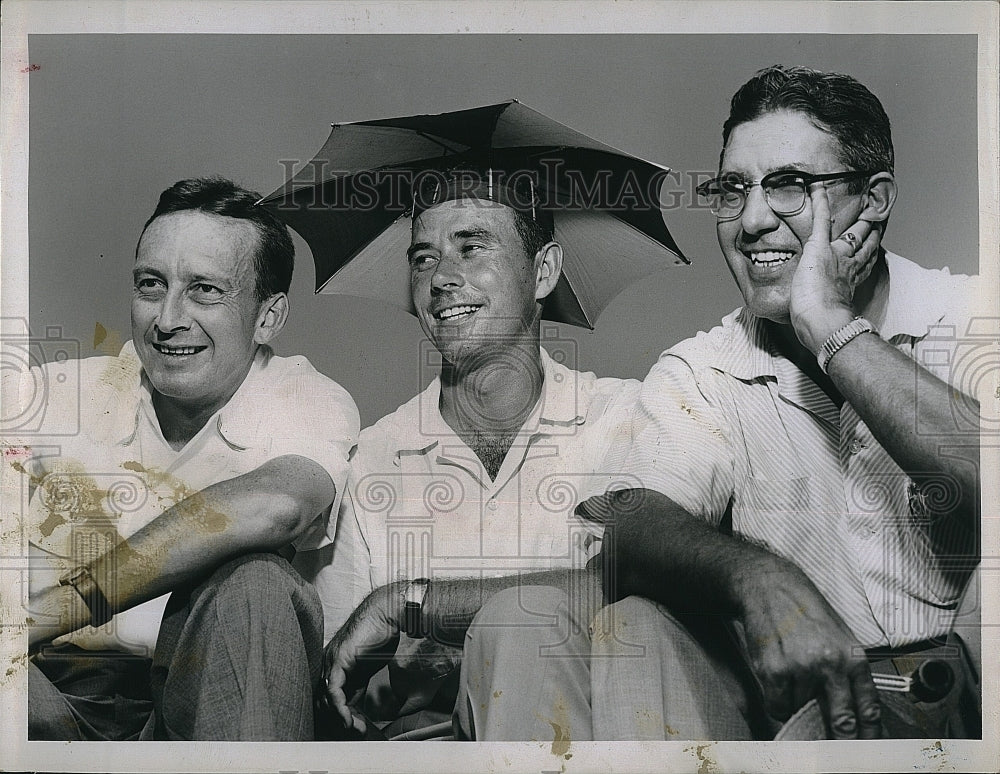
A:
(17, 663)
(785, 627)
(107, 341)
(197, 503)
(935, 753)
(706, 763)
(561, 739)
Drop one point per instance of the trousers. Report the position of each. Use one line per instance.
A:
(533, 670)
(237, 658)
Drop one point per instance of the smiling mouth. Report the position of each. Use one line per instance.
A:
(769, 257)
(166, 349)
(457, 312)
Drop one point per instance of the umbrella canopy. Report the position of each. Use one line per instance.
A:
(352, 202)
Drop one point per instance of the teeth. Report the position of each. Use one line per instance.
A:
(770, 257)
(175, 350)
(455, 311)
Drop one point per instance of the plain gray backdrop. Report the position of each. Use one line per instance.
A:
(115, 119)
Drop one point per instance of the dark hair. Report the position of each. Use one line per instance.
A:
(535, 232)
(833, 102)
(274, 258)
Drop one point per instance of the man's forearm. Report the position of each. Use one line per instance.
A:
(260, 511)
(914, 416)
(452, 604)
(654, 548)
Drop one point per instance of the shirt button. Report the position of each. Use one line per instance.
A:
(492, 504)
(856, 446)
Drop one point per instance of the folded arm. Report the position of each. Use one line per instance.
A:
(262, 510)
(798, 646)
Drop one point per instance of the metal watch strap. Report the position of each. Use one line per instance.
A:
(414, 594)
(840, 337)
(84, 584)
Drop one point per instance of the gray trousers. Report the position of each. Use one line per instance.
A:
(237, 658)
(534, 670)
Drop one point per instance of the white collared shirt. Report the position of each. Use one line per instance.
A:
(422, 505)
(725, 419)
(102, 469)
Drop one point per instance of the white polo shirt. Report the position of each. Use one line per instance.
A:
(422, 505)
(101, 468)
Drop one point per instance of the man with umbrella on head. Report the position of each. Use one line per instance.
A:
(460, 503)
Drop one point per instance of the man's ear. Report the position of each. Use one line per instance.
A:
(271, 318)
(880, 197)
(548, 267)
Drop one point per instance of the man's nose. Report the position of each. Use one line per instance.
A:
(757, 216)
(173, 315)
(447, 274)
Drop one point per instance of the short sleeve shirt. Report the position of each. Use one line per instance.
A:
(422, 504)
(724, 421)
(102, 470)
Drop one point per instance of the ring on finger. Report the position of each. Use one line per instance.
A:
(852, 239)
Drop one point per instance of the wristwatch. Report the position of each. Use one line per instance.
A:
(84, 584)
(414, 594)
(840, 337)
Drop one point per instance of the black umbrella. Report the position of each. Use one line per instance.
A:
(352, 202)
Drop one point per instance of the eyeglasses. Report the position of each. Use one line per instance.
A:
(784, 191)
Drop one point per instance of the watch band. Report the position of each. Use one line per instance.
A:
(414, 595)
(84, 584)
(840, 337)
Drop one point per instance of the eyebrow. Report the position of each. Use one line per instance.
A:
(140, 270)
(467, 233)
(793, 167)
(415, 247)
(473, 233)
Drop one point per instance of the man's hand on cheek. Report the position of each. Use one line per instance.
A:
(829, 271)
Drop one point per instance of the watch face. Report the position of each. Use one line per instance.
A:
(415, 592)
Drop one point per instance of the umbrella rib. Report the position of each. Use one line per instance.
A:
(354, 254)
(436, 141)
(655, 241)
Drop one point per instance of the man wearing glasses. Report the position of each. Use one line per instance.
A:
(811, 464)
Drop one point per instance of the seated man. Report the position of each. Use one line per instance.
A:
(468, 489)
(828, 422)
(170, 481)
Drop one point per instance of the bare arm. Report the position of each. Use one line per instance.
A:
(262, 510)
(797, 644)
(891, 393)
(368, 640)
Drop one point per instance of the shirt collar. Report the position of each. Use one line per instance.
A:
(420, 427)
(914, 302)
(746, 352)
(232, 422)
(911, 306)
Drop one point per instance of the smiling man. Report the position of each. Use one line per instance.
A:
(464, 495)
(159, 524)
(811, 465)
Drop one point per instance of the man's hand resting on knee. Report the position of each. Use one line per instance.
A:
(799, 648)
